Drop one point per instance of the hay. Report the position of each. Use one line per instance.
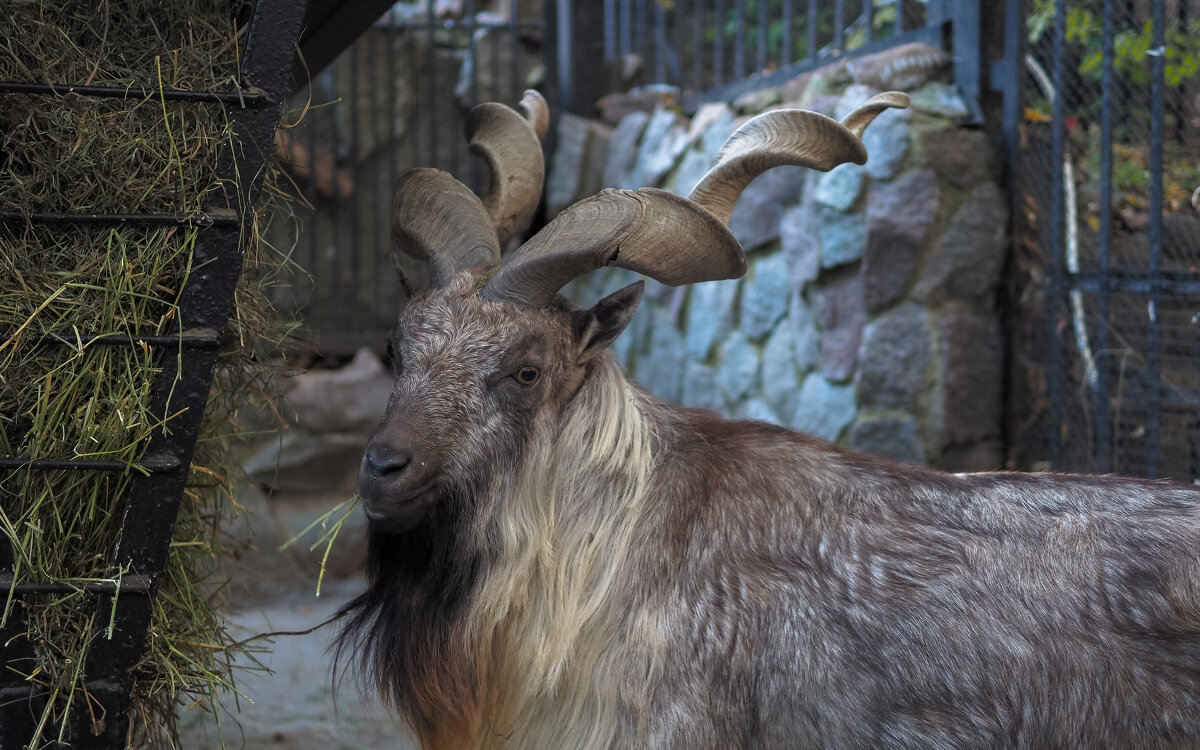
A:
(92, 401)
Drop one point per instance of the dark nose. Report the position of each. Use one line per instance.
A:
(380, 460)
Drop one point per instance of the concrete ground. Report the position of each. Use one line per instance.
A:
(292, 707)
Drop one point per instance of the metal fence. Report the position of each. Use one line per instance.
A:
(395, 99)
(716, 49)
(1106, 260)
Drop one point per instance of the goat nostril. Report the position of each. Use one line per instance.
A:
(383, 460)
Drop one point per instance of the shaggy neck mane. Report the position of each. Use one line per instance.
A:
(500, 615)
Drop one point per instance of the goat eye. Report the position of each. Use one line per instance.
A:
(527, 375)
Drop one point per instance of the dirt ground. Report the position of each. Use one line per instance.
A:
(292, 707)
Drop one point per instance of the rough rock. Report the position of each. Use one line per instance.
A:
(300, 462)
(347, 400)
(756, 215)
(968, 258)
(780, 380)
(660, 368)
(941, 99)
(739, 368)
(758, 409)
(663, 141)
(841, 317)
(753, 102)
(902, 68)
(886, 139)
(700, 387)
(578, 161)
(765, 295)
(839, 188)
(823, 409)
(894, 360)
(799, 239)
(960, 156)
(710, 315)
(896, 437)
(899, 215)
(806, 339)
(971, 353)
(622, 150)
(843, 238)
(852, 98)
(617, 106)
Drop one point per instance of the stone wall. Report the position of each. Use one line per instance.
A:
(868, 315)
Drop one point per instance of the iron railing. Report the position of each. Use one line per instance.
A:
(1106, 313)
(181, 388)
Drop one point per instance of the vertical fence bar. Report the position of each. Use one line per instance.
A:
(516, 85)
(1153, 363)
(698, 45)
(839, 25)
(473, 56)
(335, 137)
(626, 28)
(785, 53)
(899, 25)
(869, 12)
(431, 77)
(763, 29)
(660, 44)
(355, 245)
(640, 42)
(719, 44)
(1054, 297)
(812, 31)
(739, 40)
(1101, 450)
(610, 30)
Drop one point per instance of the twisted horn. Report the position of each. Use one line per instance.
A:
(438, 219)
(511, 145)
(672, 239)
(787, 136)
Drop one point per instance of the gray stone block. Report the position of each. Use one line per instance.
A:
(894, 361)
(575, 172)
(806, 339)
(738, 372)
(662, 142)
(765, 294)
(886, 139)
(710, 315)
(700, 387)
(660, 368)
(967, 262)
(895, 437)
(971, 352)
(799, 237)
(941, 99)
(843, 238)
(839, 188)
(899, 214)
(841, 315)
(780, 378)
(758, 409)
(824, 409)
(756, 215)
(622, 150)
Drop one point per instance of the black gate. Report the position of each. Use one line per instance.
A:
(1105, 298)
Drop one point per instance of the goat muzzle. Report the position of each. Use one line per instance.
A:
(398, 485)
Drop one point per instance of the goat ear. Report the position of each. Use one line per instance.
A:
(595, 329)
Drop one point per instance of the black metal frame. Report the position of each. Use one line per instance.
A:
(182, 386)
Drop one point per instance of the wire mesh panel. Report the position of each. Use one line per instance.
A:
(1107, 262)
(397, 98)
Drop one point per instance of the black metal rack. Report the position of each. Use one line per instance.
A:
(156, 490)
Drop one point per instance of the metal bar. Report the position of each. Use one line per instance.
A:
(812, 30)
(719, 44)
(1158, 56)
(785, 53)
(431, 67)
(968, 54)
(839, 26)
(1010, 72)
(660, 44)
(218, 217)
(698, 45)
(1055, 245)
(899, 17)
(869, 12)
(147, 464)
(692, 100)
(405, 24)
(1179, 284)
(248, 98)
(132, 584)
(188, 339)
(1102, 448)
(739, 40)
(153, 501)
(514, 42)
(626, 39)
(641, 40)
(473, 53)
(610, 30)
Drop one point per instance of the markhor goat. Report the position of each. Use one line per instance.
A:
(560, 560)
